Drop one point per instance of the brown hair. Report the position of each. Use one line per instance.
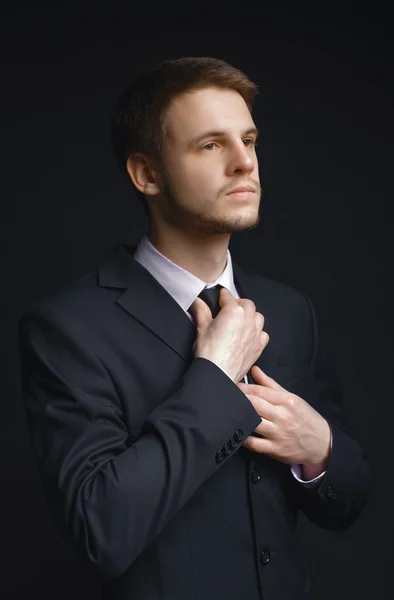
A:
(138, 118)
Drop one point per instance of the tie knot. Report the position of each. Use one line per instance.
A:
(211, 297)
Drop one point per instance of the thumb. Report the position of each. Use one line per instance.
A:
(201, 311)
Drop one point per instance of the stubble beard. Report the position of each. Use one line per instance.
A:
(202, 223)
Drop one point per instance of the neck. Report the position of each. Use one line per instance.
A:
(203, 256)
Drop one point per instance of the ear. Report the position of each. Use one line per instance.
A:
(143, 174)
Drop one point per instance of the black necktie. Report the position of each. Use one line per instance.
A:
(211, 297)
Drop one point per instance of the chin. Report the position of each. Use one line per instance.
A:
(236, 225)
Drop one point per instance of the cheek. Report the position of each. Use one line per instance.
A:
(198, 179)
(256, 176)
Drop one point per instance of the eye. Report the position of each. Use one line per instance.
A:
(209, 146)
(250, 142)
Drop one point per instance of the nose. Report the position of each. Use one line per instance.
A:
(241, 158)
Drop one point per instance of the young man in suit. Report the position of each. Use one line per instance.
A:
(182, 411)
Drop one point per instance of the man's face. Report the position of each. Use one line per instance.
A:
(199, 172)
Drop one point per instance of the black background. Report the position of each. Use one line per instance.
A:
(326, 154)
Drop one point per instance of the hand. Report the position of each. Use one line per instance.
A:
(294, 432)
(233, 340)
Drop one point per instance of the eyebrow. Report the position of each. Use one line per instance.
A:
(217, 133)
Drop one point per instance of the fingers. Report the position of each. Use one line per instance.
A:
(225, 296)
(266, 429)
(202, 313)
(260, 320)
(264, 408)
(260, 445)
(260, 333)
(265, 379)
(273, 395)
(248, 305)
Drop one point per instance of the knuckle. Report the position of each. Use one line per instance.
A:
(290, 400)
(241, 302)
(251, 303)
(264, 338)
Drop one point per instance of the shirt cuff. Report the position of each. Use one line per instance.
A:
(244, 378)
(296, 470)
(221, 368)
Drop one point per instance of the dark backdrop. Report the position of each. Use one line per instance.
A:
(326, 155)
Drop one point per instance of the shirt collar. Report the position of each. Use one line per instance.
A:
(182, 285)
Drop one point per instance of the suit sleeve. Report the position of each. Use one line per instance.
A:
(111, 497)
(337, 501)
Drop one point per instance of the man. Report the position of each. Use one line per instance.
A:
(182, 411)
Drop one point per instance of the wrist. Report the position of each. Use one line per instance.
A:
(314, 467)
(310, 471)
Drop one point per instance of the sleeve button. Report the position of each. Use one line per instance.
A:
(233, 443)
(226, 449)
(331, 493)
(265, 557)
(219, 456)
(239, 434)
(255, 474)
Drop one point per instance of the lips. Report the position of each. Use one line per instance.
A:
(243, 188)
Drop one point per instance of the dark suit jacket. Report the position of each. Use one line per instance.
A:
(139, 445)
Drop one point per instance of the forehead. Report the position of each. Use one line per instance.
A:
(206, 109)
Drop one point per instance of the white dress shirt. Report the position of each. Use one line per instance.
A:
(184, 287)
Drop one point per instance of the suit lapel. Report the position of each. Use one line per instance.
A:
(145, 299)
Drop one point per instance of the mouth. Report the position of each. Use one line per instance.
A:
(245, 191)
(242, 193)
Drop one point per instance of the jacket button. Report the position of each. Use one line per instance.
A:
(239, 435)
(233, 442)
(226, 449)
(255, 475)
(219, 456)
(265, 557)
(331, 493)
